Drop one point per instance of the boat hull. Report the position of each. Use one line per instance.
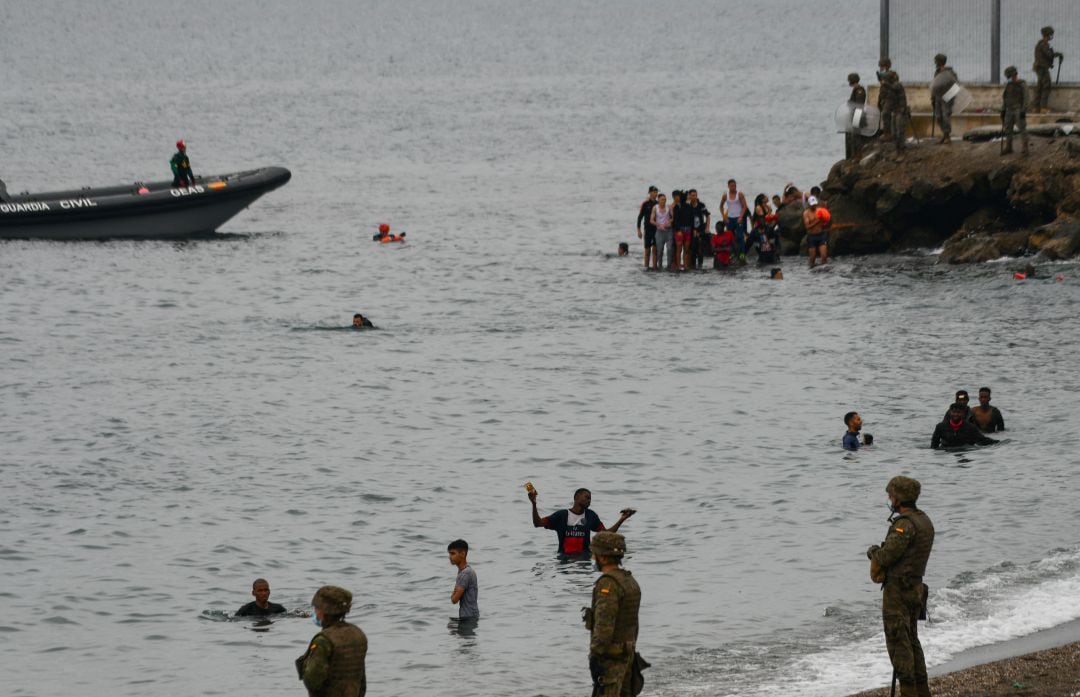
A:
(139, 211)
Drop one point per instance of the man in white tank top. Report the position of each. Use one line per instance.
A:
(733, 208)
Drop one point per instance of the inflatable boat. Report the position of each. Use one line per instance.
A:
(140, 210)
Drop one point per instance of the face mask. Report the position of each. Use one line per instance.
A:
(881, 75)
(315, 620)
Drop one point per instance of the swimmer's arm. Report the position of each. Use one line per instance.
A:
(999, 420)
(935, 440)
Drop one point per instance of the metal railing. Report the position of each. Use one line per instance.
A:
(980, 37)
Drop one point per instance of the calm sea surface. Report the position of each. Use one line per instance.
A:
(179, 418)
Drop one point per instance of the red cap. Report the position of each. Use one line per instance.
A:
(181, 145)
(384, 228)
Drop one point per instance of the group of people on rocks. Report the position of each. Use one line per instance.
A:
(961, 426)
(896, 114)
(678, 234)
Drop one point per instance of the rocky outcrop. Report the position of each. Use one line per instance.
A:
(966, 198)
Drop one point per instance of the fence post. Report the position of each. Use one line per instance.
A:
(884, 29)
(995, 42)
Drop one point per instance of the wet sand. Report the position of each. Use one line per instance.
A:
(1046, 663)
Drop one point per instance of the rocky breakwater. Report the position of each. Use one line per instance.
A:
(965, 198)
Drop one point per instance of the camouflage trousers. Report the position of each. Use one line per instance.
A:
(1014, 120)
(898, 123)
(943, 115)
(901, 603)
(1042, 88)
(611, 676)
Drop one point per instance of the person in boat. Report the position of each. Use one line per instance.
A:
(956, 430)
(361, 322)
(181, 166)
(3, 191)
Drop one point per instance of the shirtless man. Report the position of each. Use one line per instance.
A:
(986, 417)
(816, 236)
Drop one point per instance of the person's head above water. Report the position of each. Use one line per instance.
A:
(358, 320)
(260, 589)
(624, 249)
(853, 421)
(984, 396)
(776, 274)
(962, 397)
(957, 411)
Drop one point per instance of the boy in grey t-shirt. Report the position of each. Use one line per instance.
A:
(464, 595)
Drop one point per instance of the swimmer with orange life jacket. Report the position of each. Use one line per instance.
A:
(385, 236)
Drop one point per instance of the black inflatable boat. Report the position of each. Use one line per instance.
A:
(154, 209)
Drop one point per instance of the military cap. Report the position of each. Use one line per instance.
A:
(940, 59)
(905, 489)
(609, 544)
(852, 78)
(1010, 71)
(1047, 31)
(333, 600)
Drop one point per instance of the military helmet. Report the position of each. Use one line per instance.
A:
(1010, 71)
(852, 78)
(905, 489)
(891, 76)
(940, 59)
(333, 600)
(1047, 31)
(884, 63)
(609, 544)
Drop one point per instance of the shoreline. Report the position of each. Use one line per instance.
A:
(1044, 663)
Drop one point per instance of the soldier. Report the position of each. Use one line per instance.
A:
(899, 564)
(944, 79)
(1014, 111)
(612, 619)
(884, 99)
(334, 663)
(858, 100)
(1044, 60)
(898, 107)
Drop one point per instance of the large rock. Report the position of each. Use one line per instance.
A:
(1058, 240)
(969, 248)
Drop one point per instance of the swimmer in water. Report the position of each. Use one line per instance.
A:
(957, 430)
(852, 439)
(624, 249)
(361, 322)
(261, 606)
(987, 418)
(776, 274)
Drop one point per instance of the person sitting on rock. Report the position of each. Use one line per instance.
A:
(955, 430)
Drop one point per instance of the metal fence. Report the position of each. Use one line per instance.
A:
(980, 37)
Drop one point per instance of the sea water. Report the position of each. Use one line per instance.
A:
(179, 418)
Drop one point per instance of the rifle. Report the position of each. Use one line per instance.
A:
(892, 692)
(1061, 59)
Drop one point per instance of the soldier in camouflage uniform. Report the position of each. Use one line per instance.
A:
(1044, 60)
(612, 619)
(1013, 110)
(895, 100)
(884, 102)
(334, 663)
(943, 107)
(902, 558)
(854, 140)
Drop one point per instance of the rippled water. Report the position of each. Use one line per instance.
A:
(179, 418)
